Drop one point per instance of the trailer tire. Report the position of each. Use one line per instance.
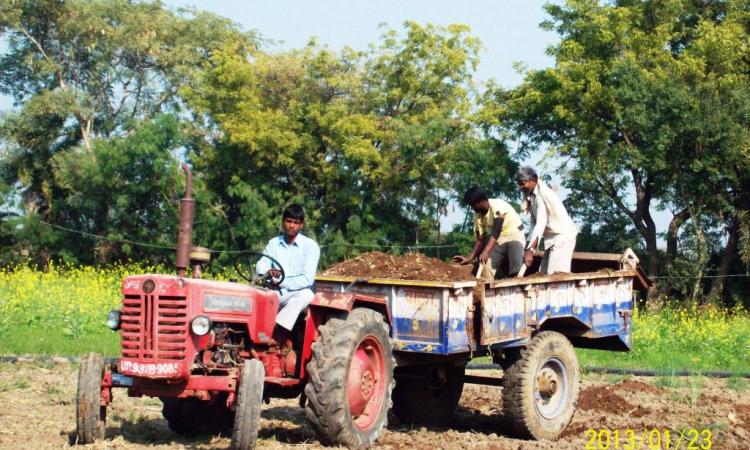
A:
(191, 416)
(91, 415)
(540, 389)
(249, 400)
(350, 379)
(427, 401)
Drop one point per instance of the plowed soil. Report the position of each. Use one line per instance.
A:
(411, 266)
(38, 412)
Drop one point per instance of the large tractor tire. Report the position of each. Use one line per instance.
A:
(91, 416)
(540, 389)
(427, 395)
(350, 379)
(249, 400)
(191, 416)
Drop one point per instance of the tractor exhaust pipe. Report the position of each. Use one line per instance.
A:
(185, 235)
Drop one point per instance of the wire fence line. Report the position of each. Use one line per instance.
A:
(346, 244)
(164, 247)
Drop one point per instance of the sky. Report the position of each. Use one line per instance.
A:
(509, 29)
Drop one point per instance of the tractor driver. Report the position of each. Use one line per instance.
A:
(298, 255)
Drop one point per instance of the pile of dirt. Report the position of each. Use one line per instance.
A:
(411, 266)
(602, 398)
(639, 386)
(744, 414)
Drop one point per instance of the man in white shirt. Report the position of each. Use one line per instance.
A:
(298, 255)
(499, 233)
(549, 220)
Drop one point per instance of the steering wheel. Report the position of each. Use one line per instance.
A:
(263, 280)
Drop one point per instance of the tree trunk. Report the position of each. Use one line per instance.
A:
(653, 252)
(717, 288)
(672, 234)
(642, 219)
(702, 259)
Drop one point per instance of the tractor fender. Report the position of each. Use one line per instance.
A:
(347, 301)
(325, 303)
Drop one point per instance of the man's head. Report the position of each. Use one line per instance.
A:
(293, 218)
(477, 199)
(526, 178)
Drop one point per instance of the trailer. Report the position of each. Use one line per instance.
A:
(528, 326)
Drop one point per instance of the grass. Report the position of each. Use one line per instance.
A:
(62, 312)
(42, 341)
(691, 338)
(737, 384)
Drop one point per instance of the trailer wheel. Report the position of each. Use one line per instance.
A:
(350, 379)
(91, 415)
(540, 389)
(429, 400)
(249, 399)
(190, 416)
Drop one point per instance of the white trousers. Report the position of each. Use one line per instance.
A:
(557, 258)
(292, 304)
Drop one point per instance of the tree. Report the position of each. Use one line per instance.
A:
(648, 100)
(124, 189)
(372, 143)
(85, 75)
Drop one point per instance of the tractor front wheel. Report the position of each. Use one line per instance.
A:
(91, 415)
(350, 379)
(249, 399)
(540, 388)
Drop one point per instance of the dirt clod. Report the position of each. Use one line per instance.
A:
(602, 398)
(638, 386)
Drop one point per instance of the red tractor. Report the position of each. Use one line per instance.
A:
(204, 348)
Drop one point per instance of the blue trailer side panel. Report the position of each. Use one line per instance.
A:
(438, 317)
(426, 317)
(594, 305)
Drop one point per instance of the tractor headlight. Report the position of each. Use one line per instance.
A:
(201, 325)
(113, 319)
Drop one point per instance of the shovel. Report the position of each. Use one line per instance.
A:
(484, 271)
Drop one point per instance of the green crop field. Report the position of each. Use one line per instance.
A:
(62, 312)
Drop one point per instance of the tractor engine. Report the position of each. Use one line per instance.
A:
(172, 327)
(229, 348)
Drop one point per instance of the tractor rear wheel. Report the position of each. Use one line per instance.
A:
(191, 416)
(540, 389)
(427, 395)
(91, 415)
(249, 400)
(350, 379)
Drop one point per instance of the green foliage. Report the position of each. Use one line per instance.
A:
(375, 143)
(682, 338)
(648, 101)
(123, 189)
(91, 143)
(110, 96)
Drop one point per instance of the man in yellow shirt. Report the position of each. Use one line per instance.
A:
(499, 233)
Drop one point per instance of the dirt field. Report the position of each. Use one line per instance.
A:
(39, 413)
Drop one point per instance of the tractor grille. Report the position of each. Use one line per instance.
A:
(154, 327)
